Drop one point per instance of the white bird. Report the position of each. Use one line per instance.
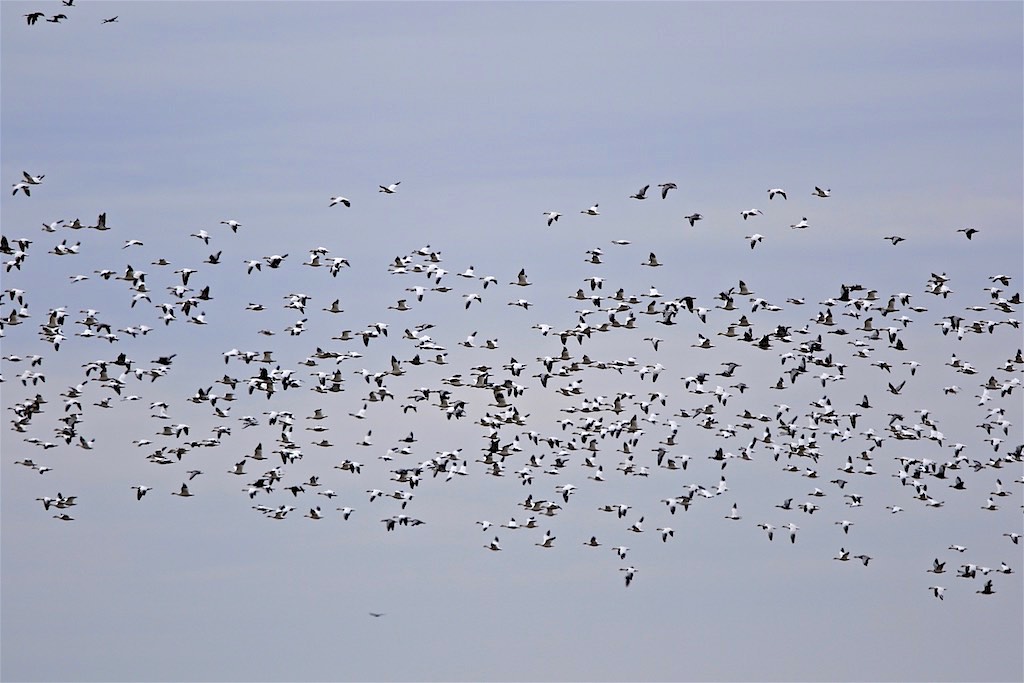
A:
(494, 545)
(547, 541)
(801, 225)
(818, 192)
(552, 216)
(734, 514)
(776, 191)
(390, 189)
(631, 571)
(233, 224)
(339, 200)
(754, 239)
(750, 212)
(592, 211)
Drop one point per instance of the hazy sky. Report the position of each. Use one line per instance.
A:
(181, 115)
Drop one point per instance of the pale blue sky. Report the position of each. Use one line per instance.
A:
(184, 114)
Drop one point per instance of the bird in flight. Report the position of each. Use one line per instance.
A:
(641, 193)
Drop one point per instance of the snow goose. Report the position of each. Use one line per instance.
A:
(339, 200)
(552, 216)
(630, 572)
(547, 541)
(521, 280)
(776, 191)
(184, 492)
(652, 261)
(818, 192)
(592, 211)
(390, 189)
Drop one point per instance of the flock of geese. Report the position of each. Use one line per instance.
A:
(829, 448)
(33, 17)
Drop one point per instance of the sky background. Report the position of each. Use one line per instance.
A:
(184, 114)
